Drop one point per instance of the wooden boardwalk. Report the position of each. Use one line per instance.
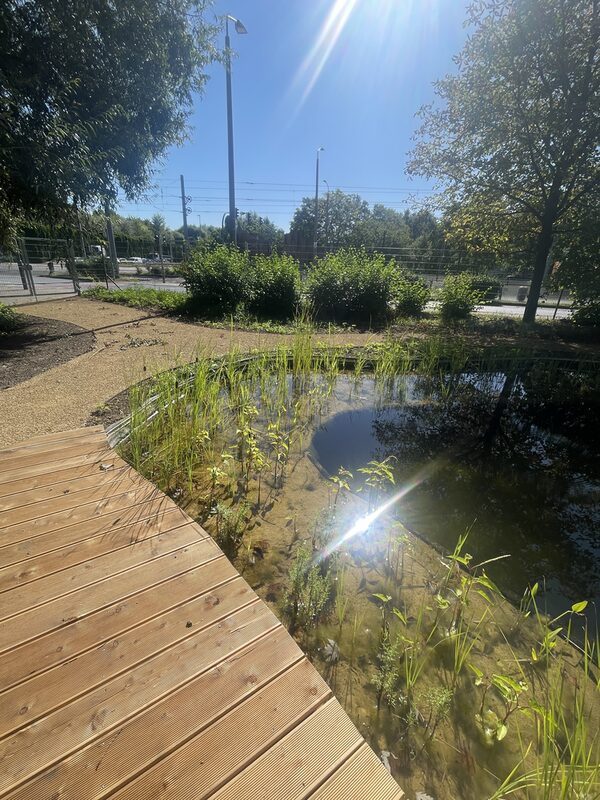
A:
(135, 662)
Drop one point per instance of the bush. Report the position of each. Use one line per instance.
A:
(588, 313)
(352, 286)
(217, 279)
(410, 295)
(157, 270)
(274, 287)
(458, 296)
(9, 319)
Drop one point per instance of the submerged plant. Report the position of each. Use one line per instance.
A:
(309, 591)
(231, 524)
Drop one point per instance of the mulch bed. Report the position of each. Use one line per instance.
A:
(38, 345)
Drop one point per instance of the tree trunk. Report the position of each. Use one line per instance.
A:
(544, 244)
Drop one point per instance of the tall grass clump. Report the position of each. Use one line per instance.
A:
(217, 279)
(274, 286)
(459, 297)
(9, 319)
(352, 286)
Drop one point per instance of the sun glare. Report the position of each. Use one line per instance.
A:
(362, 524)
(393, 29)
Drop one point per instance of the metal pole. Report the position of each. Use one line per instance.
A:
(112, 249)
(232, 221)
(27, 269)
(316, 239)
(160, 255)
(184, 212)
(558, 303)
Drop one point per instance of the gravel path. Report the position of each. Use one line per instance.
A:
(129, 345)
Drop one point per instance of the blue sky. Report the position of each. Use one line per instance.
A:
(345, 74)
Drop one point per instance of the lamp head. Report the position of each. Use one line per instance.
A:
(239, 27)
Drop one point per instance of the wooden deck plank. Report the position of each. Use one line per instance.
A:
(45, 450)
(70, 469)
(139, 518)
(59, 584)
(50, 523)
(360, 770)
(35, 698)
(55, 561)
(135, 662)
(24, 496)
(215, 756)
(66, 610)
(290, 769)
(115, 758)
(31, 460)
(54, 648)
(62, 436)
(70, 727)
(121, 481)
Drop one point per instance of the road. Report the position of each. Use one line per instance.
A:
(12, 292)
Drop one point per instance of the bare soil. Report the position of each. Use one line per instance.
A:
(129, 345)
(38, 345)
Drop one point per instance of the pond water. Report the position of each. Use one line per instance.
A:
(341, 499)
(532, 493)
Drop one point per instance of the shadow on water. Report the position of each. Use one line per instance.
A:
(521, 489)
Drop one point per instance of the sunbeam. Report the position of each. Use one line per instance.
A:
(362, 525)
(379, 36)
(313, 64)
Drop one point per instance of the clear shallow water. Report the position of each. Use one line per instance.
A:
(531, 492)
(516, 462)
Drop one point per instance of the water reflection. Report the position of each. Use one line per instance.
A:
(518, 473)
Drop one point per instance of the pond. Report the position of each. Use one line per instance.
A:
(423, 531)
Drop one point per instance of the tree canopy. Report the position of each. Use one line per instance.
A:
(517, 128)
(93, 93)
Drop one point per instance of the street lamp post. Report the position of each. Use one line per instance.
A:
(232, 221)
(316, 237)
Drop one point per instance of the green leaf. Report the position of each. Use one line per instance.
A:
(385, 598)
(577, 608)
(501, 731)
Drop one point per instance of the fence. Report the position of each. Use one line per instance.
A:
(38, 268)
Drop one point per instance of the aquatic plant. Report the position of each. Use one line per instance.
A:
(309, 591)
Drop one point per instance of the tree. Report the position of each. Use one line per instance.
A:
(339, 214)
(577, 261)
(258, 231)
(384, 227)
(93, 93)
(518, 126)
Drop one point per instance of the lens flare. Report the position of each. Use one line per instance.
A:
(362, 525)
(319, 54)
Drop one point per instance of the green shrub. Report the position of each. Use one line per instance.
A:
(352, 286)
(217, 279)
(588, 313)
(9, 319)
(458, 297)
(274, 286)
(410, 295)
